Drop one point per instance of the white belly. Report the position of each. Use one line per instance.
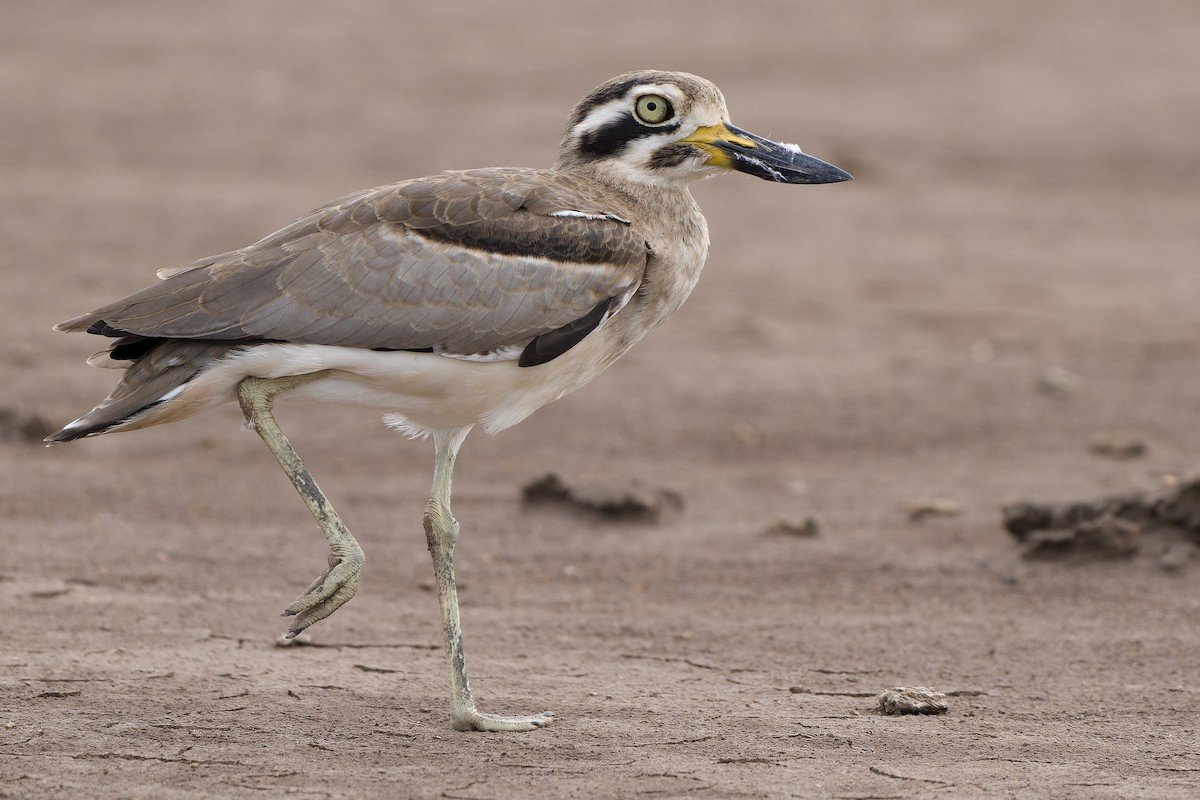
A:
(418, 392)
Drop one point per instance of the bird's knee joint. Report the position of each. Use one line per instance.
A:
(353, 557)
(255, 397)
(440, 526)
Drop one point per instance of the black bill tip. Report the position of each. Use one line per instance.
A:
(774, 161)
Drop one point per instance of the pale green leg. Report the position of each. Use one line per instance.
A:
(441, 533)
(338, 582)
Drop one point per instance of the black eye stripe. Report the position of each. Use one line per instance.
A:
(603, 97)
(616, 135)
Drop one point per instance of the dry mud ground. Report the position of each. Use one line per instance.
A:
(1013, 273)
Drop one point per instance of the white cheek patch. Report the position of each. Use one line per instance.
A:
(634, 163)
(639, 151)
(600, 117)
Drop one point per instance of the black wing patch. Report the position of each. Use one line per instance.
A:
(550, 346)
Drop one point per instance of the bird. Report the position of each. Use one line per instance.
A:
(467, 298)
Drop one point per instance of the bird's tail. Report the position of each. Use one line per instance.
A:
(153, 389)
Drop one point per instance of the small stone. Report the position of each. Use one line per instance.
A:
(1058, 381)
(805, 528)
(912, 700)
(1118, 444)
(919, 508)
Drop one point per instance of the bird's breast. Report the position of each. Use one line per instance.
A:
(678, 246)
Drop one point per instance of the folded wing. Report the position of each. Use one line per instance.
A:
(459, 263)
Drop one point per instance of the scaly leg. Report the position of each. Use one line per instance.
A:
(441, 533)
(338, 582)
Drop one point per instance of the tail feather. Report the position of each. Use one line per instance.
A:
(159, 375)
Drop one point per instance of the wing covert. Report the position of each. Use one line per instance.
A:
(461, 262)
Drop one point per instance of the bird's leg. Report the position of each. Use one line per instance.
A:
(338, 582)
(441, 533)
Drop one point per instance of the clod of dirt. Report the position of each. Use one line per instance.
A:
(1058, 381)
(1118, 444)
(1107, 536)
(23, 428)
(919, 508)
(805, 528)
(1116, 526)
(631, 502)
(912, 700)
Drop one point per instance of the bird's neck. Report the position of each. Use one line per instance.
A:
(668, 218)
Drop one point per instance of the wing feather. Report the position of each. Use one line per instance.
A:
(460, 262)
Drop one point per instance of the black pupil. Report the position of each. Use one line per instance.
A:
(652, 106)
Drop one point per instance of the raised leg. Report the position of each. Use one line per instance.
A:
(441, 533)
(338, 582)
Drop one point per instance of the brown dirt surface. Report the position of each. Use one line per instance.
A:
(1025, 207)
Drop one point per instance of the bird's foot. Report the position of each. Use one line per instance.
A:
(472, 720)
(327, 593)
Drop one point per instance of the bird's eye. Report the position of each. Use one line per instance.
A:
(653, 109)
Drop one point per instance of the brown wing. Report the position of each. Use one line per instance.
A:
(461, 262)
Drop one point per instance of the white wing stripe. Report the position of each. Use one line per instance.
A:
(585, 215)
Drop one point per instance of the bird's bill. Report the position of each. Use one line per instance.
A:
(731, 147)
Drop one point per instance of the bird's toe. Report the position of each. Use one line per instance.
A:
(329, 592)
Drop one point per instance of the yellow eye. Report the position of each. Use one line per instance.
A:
(653, 109)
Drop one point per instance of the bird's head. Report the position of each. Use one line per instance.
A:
(670, 128)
